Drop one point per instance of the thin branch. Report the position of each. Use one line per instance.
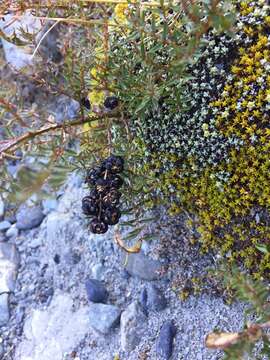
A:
(9, 144)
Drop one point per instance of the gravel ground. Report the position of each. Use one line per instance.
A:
(60, 255)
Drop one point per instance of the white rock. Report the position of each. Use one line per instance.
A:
(53, 332)
(9, 261)
(2, 208)
(12, 232)
(19, 56)
(4, 309)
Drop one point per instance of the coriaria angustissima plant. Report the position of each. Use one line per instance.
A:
(191, 82)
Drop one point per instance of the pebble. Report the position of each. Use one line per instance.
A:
(4, 225)
(164, 344)
(143, 267)
(104, 317)
(96, 291)
(12, 232)
(4, 309)
(132, 326)
(152, 299)
(29, 217)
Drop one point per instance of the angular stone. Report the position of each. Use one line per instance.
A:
(164, 345)
(104, 317)
(96, 291)
(133, 321)
(4, 225)
(143, 267)
(53, 332)
(29, 217)
(152, 299)
(9, 261)
(4, 309)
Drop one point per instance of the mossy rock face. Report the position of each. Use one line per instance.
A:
(213, 154)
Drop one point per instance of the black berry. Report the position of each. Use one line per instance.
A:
(114, 164)
(98, 227)
(111, 216)
(89, 206)
(111, 198)
(111, 102)
(86, 103)
(93, 175)
(116, 182)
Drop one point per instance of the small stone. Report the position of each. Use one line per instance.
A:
(57, 259)
(132, 326)
(98, 271)
(9, 261)
(143, 267)
(4, 225)
(29, 217)
(4, 309)
(104, 317)
(49, 205)
(96, 291)
(2, 208)
(12, 232)
(164, 345)
(152, 299)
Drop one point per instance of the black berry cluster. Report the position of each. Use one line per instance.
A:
(102, 204)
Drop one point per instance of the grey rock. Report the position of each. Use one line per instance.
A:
(164, 345)
(1, 350)
(133, 321)
(4, 225)
(50, 333)
(65, 109)
(96, 291)
(29, 217)
(143, 267)
(9, 261)
(104, 317)
(152, 299)
(4, 309)
(2, 208)
(12, 232)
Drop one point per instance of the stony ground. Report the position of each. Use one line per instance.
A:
(47, 312)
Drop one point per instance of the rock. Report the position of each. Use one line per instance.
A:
(53, 332)
(29, 217)
(9, 261)
(104, 317)
(164, 345)
(4, 309)
(2, 208)
(98, 271)
(152, 299)
(12, 232)
(19, 56)
(132, 326)
(65, 109)
(4, 225)
(96, 291)
(49, 205)
(1, 351)
(143, 267)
